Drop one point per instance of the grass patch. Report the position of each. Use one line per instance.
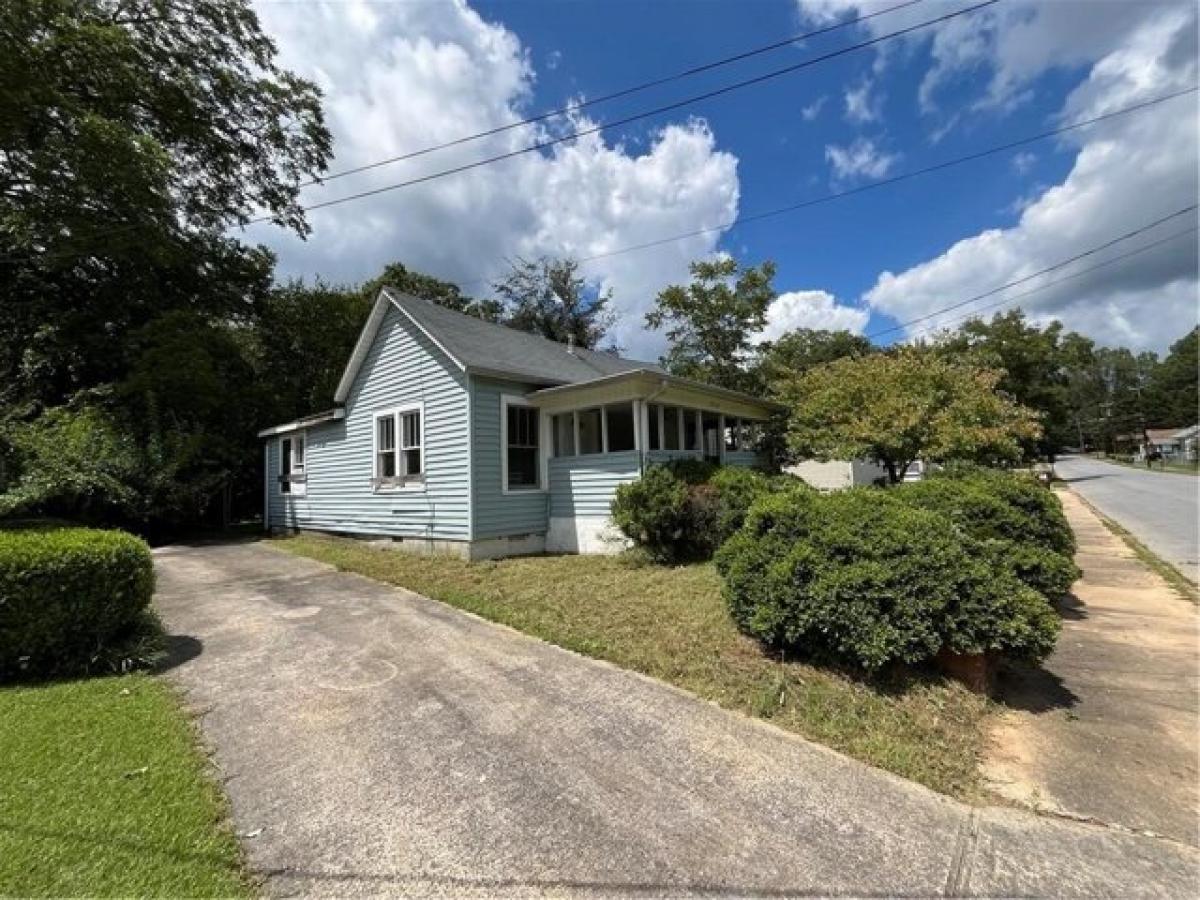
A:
(671, 624)
(103, 793)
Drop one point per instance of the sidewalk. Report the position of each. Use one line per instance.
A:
(1107, 729)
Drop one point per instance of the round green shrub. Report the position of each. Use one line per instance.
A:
(653, 513)
(1019, 523)
(1036, 515)
(860, 577)
(66, 595)
(686, 509)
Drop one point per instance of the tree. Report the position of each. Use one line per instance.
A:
(1030, 359)
(1172, 395)
(426, 287)
(805, 348)
(134, 134)
(901, 406)
(710, 321)
(549, 297)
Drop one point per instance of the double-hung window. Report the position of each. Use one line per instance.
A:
(292, 477)
(399, 448)
(522, 446)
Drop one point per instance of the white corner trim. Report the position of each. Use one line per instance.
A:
(507, 400)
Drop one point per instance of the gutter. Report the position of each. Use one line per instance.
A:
(306, 422)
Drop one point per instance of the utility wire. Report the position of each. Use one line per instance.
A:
(815, 201)
(576, 134)
(604, 98)
(1052, 268)
(687, 101)
(1108, 262)
(873, 185)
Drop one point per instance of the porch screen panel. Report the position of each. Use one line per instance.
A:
(590, 434)
(620, 427)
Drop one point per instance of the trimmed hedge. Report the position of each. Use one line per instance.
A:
(862, 578)
(684, 510)
(68, 597)
(1018, 523)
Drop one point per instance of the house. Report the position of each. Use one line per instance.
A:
(835, 474)
(451, 434)
(1169, 443)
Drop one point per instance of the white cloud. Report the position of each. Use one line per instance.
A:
(861, 105)
(1023, 162)
(1127, 172)
(401, 77)
(811, 111)
(810, 309)
(862, 158)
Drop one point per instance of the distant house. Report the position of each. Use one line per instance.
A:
(1170, 443)
(450, 434)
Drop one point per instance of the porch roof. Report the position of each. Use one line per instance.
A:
(655, 386)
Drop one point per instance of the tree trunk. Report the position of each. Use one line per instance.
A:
(891, 470)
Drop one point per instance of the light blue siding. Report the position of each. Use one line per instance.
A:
(403, 366)
(497, 514)
(585, 485)
(746, 458)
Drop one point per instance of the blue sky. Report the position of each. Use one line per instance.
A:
(399, 76)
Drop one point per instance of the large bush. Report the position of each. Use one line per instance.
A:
(1018, 524)
(685, 510)
(68, 597)
(860, 577)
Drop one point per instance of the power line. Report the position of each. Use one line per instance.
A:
(688, 101)
(815, 201)
(1108, 262)
(604, 98)
(1058, 265)
(873, 185)
(582, 132)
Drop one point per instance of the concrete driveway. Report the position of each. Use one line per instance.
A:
(1161, 509)
(373, 742)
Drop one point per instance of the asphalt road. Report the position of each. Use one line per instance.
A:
(1161, 509)
(375, 743)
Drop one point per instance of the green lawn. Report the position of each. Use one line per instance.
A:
(104, 793)
(671, 623)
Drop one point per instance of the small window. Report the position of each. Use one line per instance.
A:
(654, 435)
(399, 449)
(591, 437)
(670, 428)
(564, 434)
(291, 464)
(522, 467)
(285, 466)
(410, 445)
(620, 427)
(385, 447)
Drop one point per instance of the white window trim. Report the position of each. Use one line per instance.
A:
(296, 488)
(544, 448)
(416, 484)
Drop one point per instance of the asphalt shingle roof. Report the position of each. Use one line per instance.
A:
(527, 357)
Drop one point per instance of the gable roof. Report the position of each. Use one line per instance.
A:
(485, 348)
